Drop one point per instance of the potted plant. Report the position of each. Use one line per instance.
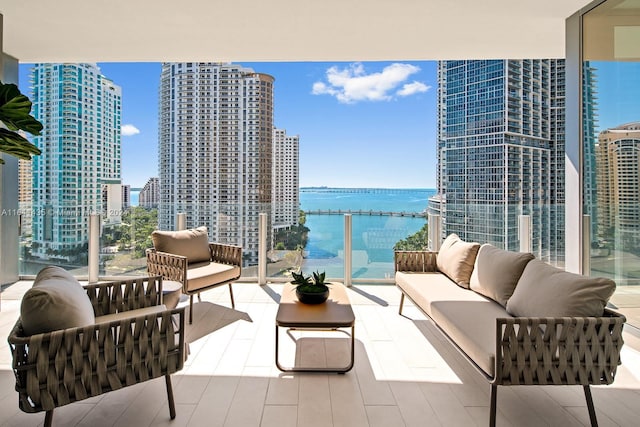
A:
(15, 113)
(311, 291)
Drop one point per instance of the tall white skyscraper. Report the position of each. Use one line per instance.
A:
(286, 179)
(81, 152)
(216, 150)
(618, 185)
(149, 197)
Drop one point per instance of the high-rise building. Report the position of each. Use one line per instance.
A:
(112, 202)
(25, 195)
(501, 152)
(286, 179)
(149, 197)
(126, 196)
(618, 185)
(215, 149)
(81, 153)
(590, 139)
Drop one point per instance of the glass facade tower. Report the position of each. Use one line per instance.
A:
(501, 152)
(81, 112)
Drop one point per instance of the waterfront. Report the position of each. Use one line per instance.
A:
(373, 236)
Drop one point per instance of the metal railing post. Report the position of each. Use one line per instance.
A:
(524, 232)
(94, 247)
(262, 249)
(435, 231)
(348, 255)
(181, 221)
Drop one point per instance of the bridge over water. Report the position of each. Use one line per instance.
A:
(364, 212)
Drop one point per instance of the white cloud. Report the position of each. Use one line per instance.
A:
(353, 84)
(128, 130)
(412, 88)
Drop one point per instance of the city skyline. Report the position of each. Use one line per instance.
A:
(348, 116)
(357, 165)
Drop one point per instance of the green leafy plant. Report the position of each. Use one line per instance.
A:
(318, 278)
(307, 284)
(15, 113)
(300, 279)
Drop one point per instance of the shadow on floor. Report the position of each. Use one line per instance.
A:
(209, 317)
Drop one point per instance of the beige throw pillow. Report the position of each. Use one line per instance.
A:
(56, 301)
(193, 243)
(496, 272)
(546, 291)
(456, 259)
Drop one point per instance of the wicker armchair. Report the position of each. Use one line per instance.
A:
(187, 257)
(134, 339)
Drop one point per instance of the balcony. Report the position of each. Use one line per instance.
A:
(405, 373)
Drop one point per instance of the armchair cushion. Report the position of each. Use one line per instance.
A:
(456, 258)
(139, 312)
(204, 274)
(546, 291)
(56, 301)
(192, 244)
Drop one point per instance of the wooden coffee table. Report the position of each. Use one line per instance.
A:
(331, 315)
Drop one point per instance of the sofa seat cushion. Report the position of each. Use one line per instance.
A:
(472, 326)
(497, 271)
(139, 312)
(192, 244)
(425, 289)
(456, 259)
(204, 274)
(546, 291)
(55, 301)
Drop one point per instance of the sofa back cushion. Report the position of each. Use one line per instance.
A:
(546, 291)
(193, 243)
(456, 258)
(496, 272)
(55, 301)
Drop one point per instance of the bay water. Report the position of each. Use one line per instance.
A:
(373, 235)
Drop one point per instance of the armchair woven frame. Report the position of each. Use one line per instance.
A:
(542, 351)
(61, 367)
(174, 267)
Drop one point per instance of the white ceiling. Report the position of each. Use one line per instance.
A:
(283, 30)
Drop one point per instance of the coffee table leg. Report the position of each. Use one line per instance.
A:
(336, 370)
(277, 347)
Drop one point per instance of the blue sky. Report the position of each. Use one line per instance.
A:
(618, 93)
(370, 124)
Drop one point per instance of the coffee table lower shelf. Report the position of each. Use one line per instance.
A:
(335, 315)
(316, 369)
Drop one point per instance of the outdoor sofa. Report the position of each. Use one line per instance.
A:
(519, 320)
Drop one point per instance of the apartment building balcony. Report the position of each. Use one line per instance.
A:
(405, 373)
(402, 375)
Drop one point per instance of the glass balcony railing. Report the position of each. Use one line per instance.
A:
(369, 242)
(318, 245)
(47, 238)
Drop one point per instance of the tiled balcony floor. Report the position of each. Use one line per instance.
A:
(405, 373)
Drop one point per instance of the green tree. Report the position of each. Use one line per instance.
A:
(137, 225)
(295, 237)
(414, 242)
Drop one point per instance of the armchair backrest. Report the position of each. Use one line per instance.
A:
(192, 244)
